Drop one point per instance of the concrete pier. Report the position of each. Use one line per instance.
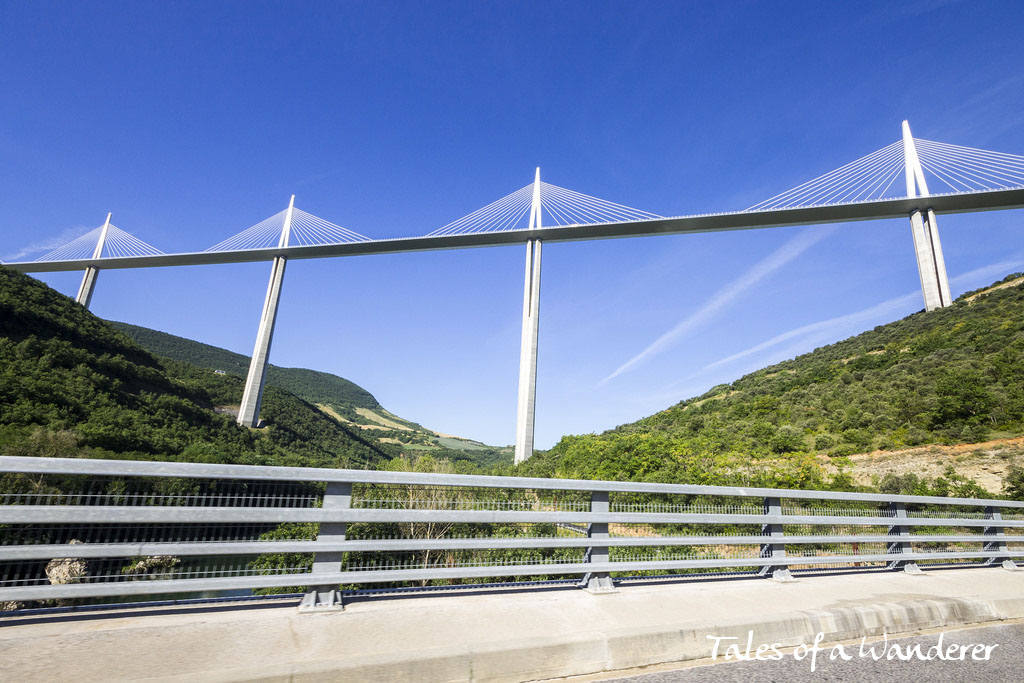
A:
(255, 381)
(88, 285)
(528, 348)
(249, 413)
(931, 266)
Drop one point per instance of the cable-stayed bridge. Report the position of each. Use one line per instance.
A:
(909, 178)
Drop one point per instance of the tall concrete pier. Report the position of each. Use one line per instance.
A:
(528, 349)
(931, 266)
(88, 285)
(249, 412)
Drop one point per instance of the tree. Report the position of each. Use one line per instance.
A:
(1013, 483)
(787, 439)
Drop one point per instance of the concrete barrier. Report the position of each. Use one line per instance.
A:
(516, 635)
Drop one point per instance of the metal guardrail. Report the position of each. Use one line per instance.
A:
(94, 529)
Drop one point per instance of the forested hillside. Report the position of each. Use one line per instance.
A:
(71, 384)
(337, 397)
(309, 385)
(952, 375)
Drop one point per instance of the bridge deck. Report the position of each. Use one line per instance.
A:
(515, 635)
(989, 200)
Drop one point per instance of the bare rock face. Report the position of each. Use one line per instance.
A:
(63, 570)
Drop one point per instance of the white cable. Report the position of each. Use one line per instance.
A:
(78, 248)
(621, 209)
(798, 195)
(117, 245)
(829, 180)
(579, 208)
(983, 173)
(261, 235)
(895, 174)
(1011, 160)
(957, 176)
(495, 212)
(312, 230)
(875, 189)
(851, 182)
(825, 193)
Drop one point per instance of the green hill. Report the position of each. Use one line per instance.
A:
(950, 376)
(309, 385)
(339, 398)
(72, 384)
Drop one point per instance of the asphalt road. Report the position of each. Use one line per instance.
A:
(1005, 663)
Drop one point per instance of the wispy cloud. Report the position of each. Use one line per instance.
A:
(982, 117)
(48, 244)
(981, 276)
(825, 329)
(726, 295)
(899, 303)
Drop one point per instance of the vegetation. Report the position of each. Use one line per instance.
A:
(1014, 484)
(430, 497)
(70, 384)
(339, 398)
(309, 385)
(952, 375)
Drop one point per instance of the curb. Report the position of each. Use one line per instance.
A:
(533, 659)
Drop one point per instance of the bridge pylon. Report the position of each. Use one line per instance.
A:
(931, 266)
(526, 409)
(88, 285)
(255, 381)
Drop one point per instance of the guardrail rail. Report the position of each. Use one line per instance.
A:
(78, 529)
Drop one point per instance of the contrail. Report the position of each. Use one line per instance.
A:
(900, 302)
(726, 295)
(870, 313)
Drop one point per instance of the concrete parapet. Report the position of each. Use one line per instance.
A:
(514, 635)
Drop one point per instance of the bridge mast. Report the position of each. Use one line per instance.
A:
(249, 412)
(88, 285)
(528, 349)
(930, 264)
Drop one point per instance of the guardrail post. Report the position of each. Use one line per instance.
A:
(900, 547)
(326, 598)
(597, 582)
(776, 549)
(996, 540)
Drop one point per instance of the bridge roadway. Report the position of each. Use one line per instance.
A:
(1003, 663)
(488, 635)
(740, 220)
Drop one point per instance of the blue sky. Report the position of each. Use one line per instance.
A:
(192, 121)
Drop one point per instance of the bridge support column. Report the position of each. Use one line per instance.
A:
(931, 266)
(255, 381)
(525, 411)
(996, 541)
(598, 582)
(85, 290)
(901, 546)
(328, 597)
(88, 285)
(777, 548)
